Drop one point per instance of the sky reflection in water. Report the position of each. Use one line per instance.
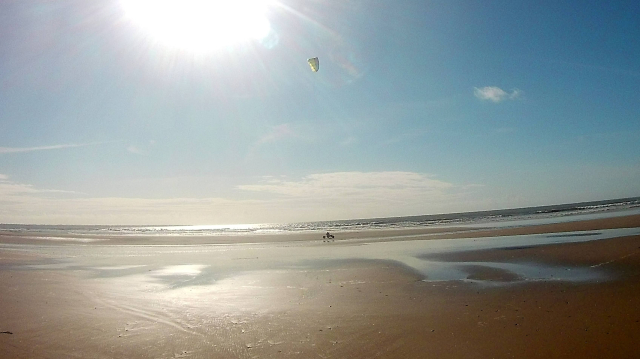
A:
(180, 266)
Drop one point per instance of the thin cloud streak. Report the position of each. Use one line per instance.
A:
(5, 150)
(10, 190)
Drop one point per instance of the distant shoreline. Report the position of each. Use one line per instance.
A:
(600, 206)
(343, 237)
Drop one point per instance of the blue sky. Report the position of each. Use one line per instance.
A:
(419, 107)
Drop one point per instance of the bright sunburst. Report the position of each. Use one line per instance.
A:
(200, 25)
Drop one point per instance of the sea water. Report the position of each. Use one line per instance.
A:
(495, 218)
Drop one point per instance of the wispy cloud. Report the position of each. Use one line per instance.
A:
(142, 150)
(354, 185)
(283, 133)
(349, 141)
(326, 196)
(495, 94)
(277, 133)
(136, 150)
(10, 190)
(37, 209)
(4, 150)
(362, 194)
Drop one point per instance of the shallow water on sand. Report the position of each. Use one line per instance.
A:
(173, 266)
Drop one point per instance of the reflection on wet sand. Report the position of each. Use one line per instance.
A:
(179, 266)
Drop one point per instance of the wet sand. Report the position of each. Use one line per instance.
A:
(53, 305)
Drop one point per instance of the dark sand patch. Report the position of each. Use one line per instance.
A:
(605, 252)
(484, 273)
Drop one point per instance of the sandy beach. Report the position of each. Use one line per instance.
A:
(368, 294)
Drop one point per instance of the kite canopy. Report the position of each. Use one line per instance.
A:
(314, 63)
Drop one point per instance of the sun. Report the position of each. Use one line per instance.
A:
(199, 26)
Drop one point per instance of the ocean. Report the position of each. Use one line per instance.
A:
(492, 218)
